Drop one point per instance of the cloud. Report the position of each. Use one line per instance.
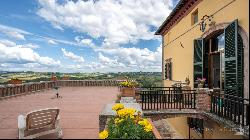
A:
(117, 21)
(109, 62)
(132, 58)
(120, 59)
(28, 66)
(29, 45)
(51, 41)
(84, 41)
(104, 59)
(13, 32)
(23, 54)
(7, 42)
(72, 56)
(20, 34)
(13, 44)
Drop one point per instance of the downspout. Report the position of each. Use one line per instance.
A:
(163, 70)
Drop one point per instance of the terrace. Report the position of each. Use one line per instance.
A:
(82, 102)
(79, 106)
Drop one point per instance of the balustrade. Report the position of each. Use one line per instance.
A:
(13, 90)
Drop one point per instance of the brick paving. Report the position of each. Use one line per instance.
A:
(79, 110)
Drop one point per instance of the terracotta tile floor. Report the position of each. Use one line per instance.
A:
(79, 110)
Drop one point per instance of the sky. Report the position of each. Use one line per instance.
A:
(82, 35)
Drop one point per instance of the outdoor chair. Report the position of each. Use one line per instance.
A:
(38, 123)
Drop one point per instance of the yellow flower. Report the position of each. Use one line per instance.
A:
(128, 83)
(104, 134)
(148, 128)
(117, 107)
(121, 120)
(126, 112)
(144, 122)
(132, 116)
(141, 123)
(118, 120)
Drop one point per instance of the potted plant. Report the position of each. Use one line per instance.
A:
(128, 88)
(201, 82)
(127, 125)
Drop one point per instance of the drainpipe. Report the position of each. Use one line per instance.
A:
(163, 70)
(188, 131)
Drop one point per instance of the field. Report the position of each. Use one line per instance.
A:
(143, 78)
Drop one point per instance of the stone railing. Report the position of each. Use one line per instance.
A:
(20, 89)
(89, 82)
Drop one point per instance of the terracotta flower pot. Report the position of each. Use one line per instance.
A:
(200, 85)
(154, 130)
(128, 92)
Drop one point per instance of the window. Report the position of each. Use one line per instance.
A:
(220, 59)
(214, 62)
(168, 69)
(196, 124)
(194, 17)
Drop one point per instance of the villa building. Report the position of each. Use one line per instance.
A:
(207, 39)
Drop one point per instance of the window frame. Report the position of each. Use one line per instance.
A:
(168, 69)
(193, 17)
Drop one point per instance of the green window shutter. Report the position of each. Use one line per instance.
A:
(166, 71)
(234, 63)
(198, 60)
(240, 66)
(170, 70)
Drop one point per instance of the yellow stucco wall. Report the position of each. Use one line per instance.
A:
(220, 132)
(182, 58)
(180, 126)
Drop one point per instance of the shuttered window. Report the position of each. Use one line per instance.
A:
(198, 60)
(168, 70)
(234, 63)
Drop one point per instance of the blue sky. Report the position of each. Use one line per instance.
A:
(81, 36)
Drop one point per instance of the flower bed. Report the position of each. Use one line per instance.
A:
(127, 124)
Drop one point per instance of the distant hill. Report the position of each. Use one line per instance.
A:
(144, 78)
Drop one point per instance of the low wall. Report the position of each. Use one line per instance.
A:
(11, 90)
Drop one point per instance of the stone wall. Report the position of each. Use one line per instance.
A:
(11, 90)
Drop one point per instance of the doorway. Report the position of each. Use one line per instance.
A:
(214, 61)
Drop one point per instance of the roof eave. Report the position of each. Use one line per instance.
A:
(159, 30)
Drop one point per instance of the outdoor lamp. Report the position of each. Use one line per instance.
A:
(203, 24)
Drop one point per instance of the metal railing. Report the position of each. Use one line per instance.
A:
(231, 107)
(161, 88)
(167, 99)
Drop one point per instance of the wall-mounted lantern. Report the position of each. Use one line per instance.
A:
(203, 23)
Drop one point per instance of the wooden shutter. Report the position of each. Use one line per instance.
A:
(168, 70)
(234, 63)
(198, 60)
